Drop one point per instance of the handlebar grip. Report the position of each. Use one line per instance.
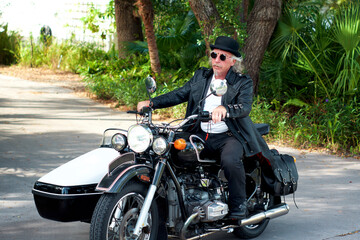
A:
(131, 111)
(205, 116)
(144, 110)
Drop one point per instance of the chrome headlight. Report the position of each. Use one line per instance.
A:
(140, 138)
(160, 146)
(118, 141)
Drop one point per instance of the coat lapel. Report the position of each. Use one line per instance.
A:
(233, 87)
(198, 88)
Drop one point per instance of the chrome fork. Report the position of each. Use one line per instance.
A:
(140, 224)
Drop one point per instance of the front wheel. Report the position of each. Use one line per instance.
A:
(115, 215)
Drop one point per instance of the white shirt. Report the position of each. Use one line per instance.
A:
(210, 104)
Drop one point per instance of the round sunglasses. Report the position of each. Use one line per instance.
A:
(214, 56)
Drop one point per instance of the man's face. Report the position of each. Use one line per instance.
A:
(221, 67)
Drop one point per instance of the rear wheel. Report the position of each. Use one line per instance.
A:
(115, 215)
(253, 231)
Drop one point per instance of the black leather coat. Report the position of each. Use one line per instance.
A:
(237, 101)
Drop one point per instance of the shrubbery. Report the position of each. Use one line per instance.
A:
(9, 46)
(327, 124)
(68, 55)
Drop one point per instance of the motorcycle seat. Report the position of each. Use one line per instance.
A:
(263, 128)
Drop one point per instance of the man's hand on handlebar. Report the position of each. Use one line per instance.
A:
(218, 114)
(142, 104)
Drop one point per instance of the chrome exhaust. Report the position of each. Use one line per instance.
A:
(269, 214)
(275, 212)
(186, 225)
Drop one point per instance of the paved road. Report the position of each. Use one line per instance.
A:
(43, 126)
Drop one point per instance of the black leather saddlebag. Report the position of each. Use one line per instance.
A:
(279, 175)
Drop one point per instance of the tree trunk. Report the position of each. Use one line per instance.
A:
(260, 26)
(244, 12)
(128, 25)
(207, 15)
(147, 14)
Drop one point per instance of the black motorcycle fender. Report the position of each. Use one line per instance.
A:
(115, 181)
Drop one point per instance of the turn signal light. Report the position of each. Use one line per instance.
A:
(294, 159)
(180, 144)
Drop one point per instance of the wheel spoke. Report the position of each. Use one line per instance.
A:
(124, 217)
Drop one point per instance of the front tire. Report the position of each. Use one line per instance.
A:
(115, 215)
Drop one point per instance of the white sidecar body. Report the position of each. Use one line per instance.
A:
(68, 192)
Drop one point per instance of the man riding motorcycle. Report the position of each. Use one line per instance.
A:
(231, 133)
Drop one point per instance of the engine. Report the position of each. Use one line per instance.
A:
(203, 193)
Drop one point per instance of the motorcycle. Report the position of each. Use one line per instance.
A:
(154, 181)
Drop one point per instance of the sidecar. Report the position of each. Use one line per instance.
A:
(67, 193)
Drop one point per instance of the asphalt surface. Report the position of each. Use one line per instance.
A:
(43, 126)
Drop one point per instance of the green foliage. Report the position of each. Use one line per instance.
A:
(230, 24)
(117, 79)
(167, 12)
(96, 20)
(67, 55)
(179, 46)
(9, 45)
(328, 124)
(123, 80)
(316, 50)
(346, 32)
(314, 55)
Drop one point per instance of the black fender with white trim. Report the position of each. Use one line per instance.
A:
(121, 171)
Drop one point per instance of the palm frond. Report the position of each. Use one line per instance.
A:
(285, 35)
(346, 32)
(180, 35)
(137, 47)
(347, 27)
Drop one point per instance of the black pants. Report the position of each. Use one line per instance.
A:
(231, 154)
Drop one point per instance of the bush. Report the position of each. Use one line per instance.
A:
(326, 124)
(67, 55)
(9, 46)
(123, 80)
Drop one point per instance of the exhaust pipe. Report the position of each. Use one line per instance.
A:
(275, 212)
(186, 225)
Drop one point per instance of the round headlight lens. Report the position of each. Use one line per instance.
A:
(160, 145)
(140, 138)
(118, 141)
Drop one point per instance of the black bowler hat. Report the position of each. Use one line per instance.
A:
(227, 44)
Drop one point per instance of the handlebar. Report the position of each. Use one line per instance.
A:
(144, 111)
(203, 116)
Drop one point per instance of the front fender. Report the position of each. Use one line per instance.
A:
(115, 180)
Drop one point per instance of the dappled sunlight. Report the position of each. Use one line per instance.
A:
(70, 231)
(22, 172)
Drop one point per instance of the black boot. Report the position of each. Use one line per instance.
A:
(239, 212)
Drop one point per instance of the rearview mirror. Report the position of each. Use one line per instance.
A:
(218, 87)
(150, 84)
